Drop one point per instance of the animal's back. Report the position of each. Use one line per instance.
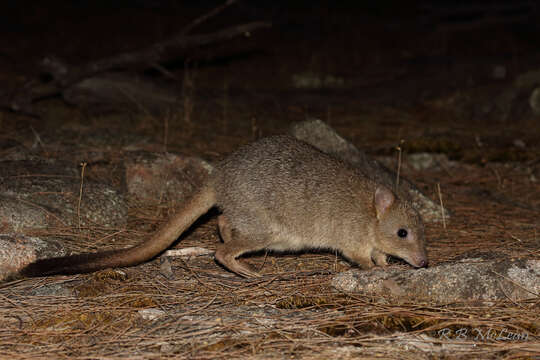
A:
(288, 188)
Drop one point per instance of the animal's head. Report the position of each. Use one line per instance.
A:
(399, 230)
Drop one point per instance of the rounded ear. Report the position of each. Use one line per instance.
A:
(383, 199)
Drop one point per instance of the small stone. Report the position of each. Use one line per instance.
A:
(151, 314)
(534, 101)
(499, 72)
(519, 143)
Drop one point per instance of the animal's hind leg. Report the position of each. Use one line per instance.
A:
(234, 245)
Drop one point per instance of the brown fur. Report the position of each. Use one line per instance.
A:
(279, 194)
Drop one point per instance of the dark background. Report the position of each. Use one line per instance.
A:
(438, 61)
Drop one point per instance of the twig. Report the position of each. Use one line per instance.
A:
(83, 164)
(132, 99)
(38, 140)
(516, 284)
(187, 94)
(254, 128)
(442, 207)
(206, 16)
(166, 130)
(200, 308)
(505, 294)
(42, 208)
(399, 149)
(164, 71)
(264, 261)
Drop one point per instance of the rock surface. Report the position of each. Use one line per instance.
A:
(466, 280)
(43, 194)
(38, 194)
(154, 176)
(17, 250)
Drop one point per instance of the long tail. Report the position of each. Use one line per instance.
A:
(198, 205)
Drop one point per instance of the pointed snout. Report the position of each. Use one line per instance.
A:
(423, 263)
(419, 261)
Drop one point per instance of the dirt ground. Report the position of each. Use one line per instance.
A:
(382, 81)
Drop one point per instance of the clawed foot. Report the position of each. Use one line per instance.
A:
(239, 267)
(243, 269)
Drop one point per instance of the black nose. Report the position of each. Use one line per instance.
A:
(423, 263)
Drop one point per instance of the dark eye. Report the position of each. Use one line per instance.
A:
(402, 233)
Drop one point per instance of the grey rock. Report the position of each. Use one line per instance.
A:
(151, 313)
(41, 194)
(528, 79)
(423, 161)
(17, 215)
(51, 289)
(17, 250)
(323, 137)
(520, 144)
(154, 176)
(467, 280)
(317, 81)
(534, 101)
(38, 194)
